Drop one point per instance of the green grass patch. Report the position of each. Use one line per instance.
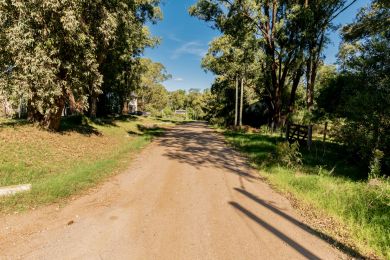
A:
(331, 184)
(59, 165)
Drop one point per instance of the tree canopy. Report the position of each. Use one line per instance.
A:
(71, 52)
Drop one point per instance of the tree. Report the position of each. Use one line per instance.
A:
(360, 94)
(52, 56)
(121, 65)
(156, 99)
(178, 99)
(152, 94)
(60, 52)
(288, 34)
(232, 62)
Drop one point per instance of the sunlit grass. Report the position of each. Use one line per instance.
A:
(331, 184)
(59, 165)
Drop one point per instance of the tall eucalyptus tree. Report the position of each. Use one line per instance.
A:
(291, 34)
(58, 50)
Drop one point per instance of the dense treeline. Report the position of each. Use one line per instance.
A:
(80, 54)
(357, 96)
(274, 51)
(272, 45)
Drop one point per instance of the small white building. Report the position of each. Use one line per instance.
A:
(133, 102)
(181, 112)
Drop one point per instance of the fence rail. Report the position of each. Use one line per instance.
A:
(299, 133)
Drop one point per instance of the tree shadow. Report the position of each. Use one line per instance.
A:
(200, 147)
(335, 159)
(112, 120)
(14, 123)
(78, 125)
(153, 131)
(341, 246)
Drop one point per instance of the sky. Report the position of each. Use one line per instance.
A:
(185, 41)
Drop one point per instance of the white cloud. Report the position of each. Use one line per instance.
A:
(174, 38)
(192, 48)
(178, 79)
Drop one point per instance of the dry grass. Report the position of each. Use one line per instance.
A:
(72, 159)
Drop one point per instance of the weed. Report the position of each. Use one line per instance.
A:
(288, 155)
(330, 183)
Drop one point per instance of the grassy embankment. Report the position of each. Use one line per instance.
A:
(353, 212)
(59, 165)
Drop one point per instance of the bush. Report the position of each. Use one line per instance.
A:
(375, 164)
(288, 154)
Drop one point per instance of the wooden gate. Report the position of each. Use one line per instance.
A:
(299, 133)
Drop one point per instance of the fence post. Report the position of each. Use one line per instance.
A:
(325, 130)
(288, 131)
(309, 136)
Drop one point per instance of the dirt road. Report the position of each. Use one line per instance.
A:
(187, 196)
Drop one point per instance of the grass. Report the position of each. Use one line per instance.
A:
(331, 185)
(59, 165)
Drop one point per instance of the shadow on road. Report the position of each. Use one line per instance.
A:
(199, 146)
(299, 248)
(344, 248)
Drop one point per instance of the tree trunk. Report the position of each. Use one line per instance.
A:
(312, 68)
(93, 106)
(125, 107)
(277, 107)
(52, 121)
(310, 97)
(296, 80)
(72, 102)
(236, 110)
(242, 100)
(33, 115)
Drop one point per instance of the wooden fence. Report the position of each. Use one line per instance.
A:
(299, 133)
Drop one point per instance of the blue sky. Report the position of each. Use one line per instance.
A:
(185, 40)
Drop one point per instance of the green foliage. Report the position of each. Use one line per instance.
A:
(178, 99)
(152, 95)
(359, 95)
(362, 209)
(288, 154)
(375, 164)
(272, 45)
(57, 53)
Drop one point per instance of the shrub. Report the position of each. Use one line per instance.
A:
(288, 154)
(375, 164)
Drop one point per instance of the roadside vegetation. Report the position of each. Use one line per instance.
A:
(65, 64)
(271, 73)
(328, 183)
(66, 163)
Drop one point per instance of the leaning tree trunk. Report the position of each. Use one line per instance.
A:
(93, 106)
(295, 84)
(277, 113)
(312, 69)
(72, 102)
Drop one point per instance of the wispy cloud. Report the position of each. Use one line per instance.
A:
(178, 79)
(193, 48)
(173, 37)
